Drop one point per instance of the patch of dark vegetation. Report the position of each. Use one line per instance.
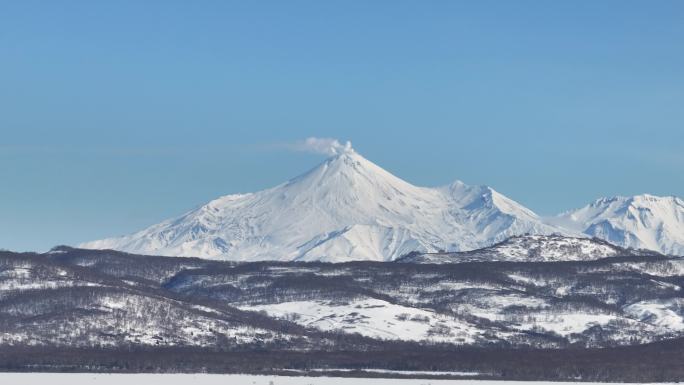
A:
(658, 362)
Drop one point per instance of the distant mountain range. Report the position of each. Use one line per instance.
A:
(348, 208)
(641, 222)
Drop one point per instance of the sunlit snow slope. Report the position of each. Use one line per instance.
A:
(642, 221)
(347, 208)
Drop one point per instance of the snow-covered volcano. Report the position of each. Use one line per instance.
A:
(347, 208)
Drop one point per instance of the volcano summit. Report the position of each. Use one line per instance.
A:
(346, 208)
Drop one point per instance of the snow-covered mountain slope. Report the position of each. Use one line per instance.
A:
(375, 318)
(531, 248)
(621, 300)
(86, 298)
(347, 208)
(43, 303)
(642, 221)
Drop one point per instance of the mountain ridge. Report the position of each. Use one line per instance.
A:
(641, 221)
(533, 248)
(349, 208)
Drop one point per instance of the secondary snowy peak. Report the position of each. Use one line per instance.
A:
(640, 222)
(493, 215)
(531, 248)
(347, 208)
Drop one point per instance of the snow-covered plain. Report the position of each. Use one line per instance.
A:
(375, 318)
(238, 379)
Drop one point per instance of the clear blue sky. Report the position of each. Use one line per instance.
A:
(116, 115)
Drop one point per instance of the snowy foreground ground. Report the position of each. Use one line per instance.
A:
(231, 379)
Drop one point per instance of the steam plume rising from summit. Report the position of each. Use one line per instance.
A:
(325, 146)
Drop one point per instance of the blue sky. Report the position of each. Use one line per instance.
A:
(116, 115)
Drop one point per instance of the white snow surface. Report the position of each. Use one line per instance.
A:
(345, 209)
(668, 313)
(374, 318)
(639, 222)
(348, 208)
(247, 379)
